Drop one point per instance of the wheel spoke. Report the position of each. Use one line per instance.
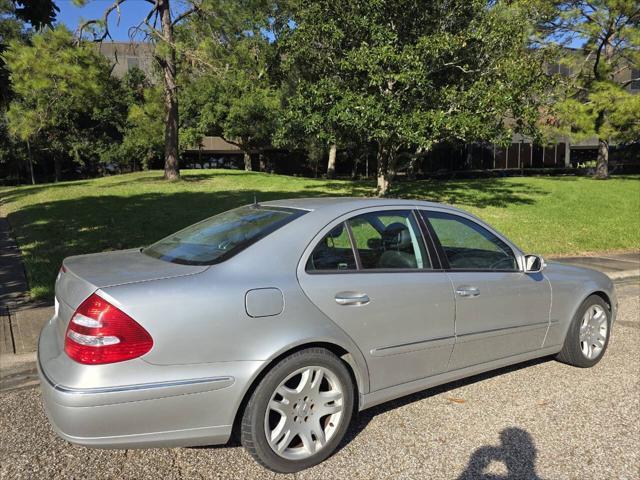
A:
(282, 434)
(284, 441)
(584, 346)
(279, 406)
(329, 409)
(307, 441)
(331, 396)
(288, 395)
(305, 381)
(318, 375)
(318, 432)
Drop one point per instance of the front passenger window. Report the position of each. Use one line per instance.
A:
(469, 246)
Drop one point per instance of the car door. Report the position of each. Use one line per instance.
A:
(373, 274)
(500, 310)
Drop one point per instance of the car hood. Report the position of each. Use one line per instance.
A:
(87, 273)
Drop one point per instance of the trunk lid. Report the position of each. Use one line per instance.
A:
(82, 275)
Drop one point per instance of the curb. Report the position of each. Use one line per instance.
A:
(18, 371)
(624, 275)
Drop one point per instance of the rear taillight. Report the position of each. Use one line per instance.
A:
(101, 333)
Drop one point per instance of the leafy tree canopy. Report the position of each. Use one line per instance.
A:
(233, 86)
(593, 99)
(407, 74)
(64, 94)
(39, 13)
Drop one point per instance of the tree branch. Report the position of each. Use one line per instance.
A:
(195, 8)
(105, 21)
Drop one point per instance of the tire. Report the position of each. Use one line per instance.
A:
(578, 349)
(309, 394)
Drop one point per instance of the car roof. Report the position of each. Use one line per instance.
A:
(349, 203)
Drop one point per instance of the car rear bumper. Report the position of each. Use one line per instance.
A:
(100, 406)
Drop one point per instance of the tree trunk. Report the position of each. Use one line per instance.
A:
(331, 166)
(602, 165)
(171, 167)
(57, 168)
(383, 171)
(33, 178)
(354, 170)
(413, 163)
(247, 161)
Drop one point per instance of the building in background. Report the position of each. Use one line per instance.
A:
(126, 55)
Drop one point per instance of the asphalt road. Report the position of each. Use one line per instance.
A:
(542, 419)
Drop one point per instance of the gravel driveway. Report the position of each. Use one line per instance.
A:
(542, 419)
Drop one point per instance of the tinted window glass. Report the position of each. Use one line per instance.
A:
(389, 239)
(333, 252)
(222, 236)
(468, 246)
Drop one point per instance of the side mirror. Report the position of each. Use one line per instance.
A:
(533, 263)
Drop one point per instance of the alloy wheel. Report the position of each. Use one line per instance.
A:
(304, 412)
(593, 331)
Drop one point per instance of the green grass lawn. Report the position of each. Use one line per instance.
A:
(548, 215)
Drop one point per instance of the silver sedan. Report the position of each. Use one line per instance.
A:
(280, 321)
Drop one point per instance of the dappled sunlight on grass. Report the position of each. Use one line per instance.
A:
(541, 214)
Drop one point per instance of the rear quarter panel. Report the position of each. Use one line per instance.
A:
(202, 318)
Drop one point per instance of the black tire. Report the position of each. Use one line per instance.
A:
(571, 352)
(253, 436)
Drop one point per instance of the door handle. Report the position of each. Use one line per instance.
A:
(350, 298)
(465, 291)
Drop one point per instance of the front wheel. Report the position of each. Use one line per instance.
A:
(299, 411)
(588, 335)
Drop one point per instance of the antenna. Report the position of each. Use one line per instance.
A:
(255, 201)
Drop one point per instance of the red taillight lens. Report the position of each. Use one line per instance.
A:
(101, 333)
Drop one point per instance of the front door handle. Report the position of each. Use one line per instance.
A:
(351, 298)
(467, 291)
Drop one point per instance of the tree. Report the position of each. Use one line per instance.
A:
(407, 75)
(39, 13)
(63, 98)
(234, 85)
(593, 100)
(158, 26)
(143, 133)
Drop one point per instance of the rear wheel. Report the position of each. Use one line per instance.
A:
(299, 411)
(588, 335)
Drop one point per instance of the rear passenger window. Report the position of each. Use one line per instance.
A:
(333, 252)
(389, 239)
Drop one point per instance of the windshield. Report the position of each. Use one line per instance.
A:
(220, 237)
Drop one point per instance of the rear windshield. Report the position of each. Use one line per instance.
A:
(220, 237)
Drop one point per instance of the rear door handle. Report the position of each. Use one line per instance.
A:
(467, 291)
(350, 298)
